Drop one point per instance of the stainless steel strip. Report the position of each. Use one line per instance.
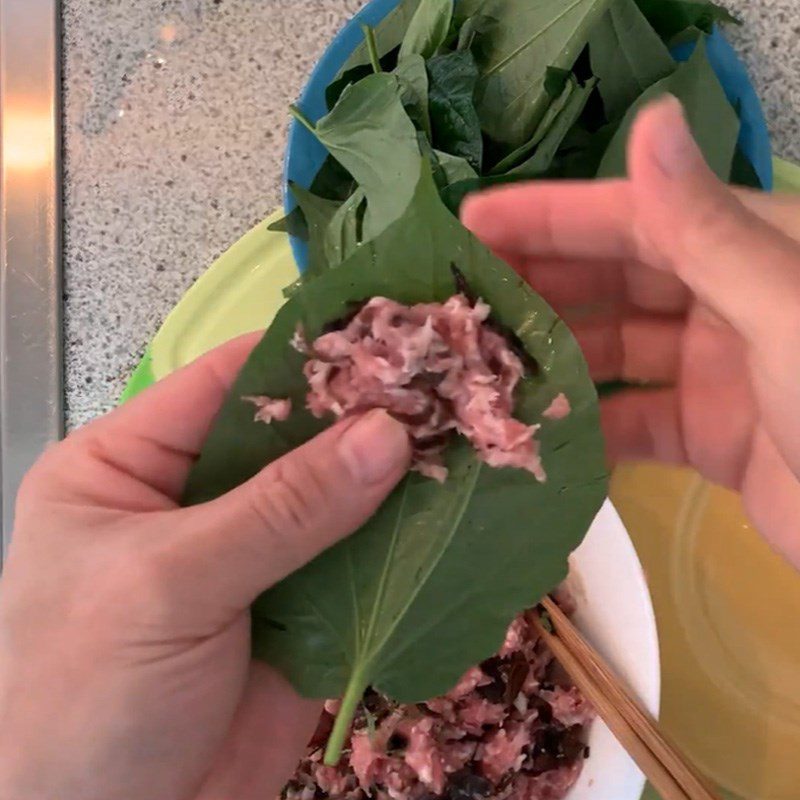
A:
(31, 385)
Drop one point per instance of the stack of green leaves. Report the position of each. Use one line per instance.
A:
(442, 98)
(495, 91)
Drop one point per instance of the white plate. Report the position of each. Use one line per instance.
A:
(616, 615)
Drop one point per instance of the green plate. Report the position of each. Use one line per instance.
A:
(240, 292)
(787, 176)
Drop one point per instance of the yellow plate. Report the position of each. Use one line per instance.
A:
(727, 610)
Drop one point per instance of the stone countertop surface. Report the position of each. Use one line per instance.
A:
(175, 124)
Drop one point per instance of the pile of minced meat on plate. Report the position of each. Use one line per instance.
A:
(512, 729)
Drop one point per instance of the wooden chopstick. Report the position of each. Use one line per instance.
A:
(666, 769)
(667, 787)
(638, 717)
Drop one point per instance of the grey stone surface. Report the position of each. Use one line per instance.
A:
(769, 43)
(175, 127)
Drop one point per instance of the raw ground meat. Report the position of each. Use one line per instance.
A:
(558, 409)
(436, 367)
(513, 728)
(268, 409)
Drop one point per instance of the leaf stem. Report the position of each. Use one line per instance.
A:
(352, 697)
(372, 47)
(302, 119)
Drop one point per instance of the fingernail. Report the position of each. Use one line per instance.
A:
(674, 147)
(374, 448)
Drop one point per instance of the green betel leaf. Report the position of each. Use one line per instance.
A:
(341, 236)
(369, 133)
(581, 152)
(743, 173)
(294, 223)
(627, 56)
(671, 17)
(556, 106)
(470, 28)
(388, 63)
(453, 168)
(466, 9)
(318, 213)
(413, 79)
(577, 156)
(446, 169)
(454, 194)
(455, 123)
(389, 35)
(428, 586)
(686, 36)
(514, 54)
(555, 81)
(428, 29)
(544, 149)
(331, 186)
(539, 163)
(711, 117)
(333, 181)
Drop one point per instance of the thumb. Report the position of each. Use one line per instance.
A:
(692, 224)
(298, 506)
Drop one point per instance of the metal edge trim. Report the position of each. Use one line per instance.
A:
(31, 339)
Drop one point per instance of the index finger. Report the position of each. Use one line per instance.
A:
(585, 219)
(562, 219)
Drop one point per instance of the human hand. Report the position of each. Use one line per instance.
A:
(125, 666)
(672, 278)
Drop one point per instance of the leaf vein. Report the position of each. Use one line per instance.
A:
(328, 624)
(500, 64)
(384, 579)
(356, 605)
(435, 563)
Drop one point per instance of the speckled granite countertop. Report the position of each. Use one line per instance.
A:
(175, 127)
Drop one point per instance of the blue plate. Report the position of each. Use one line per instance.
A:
(304, 154)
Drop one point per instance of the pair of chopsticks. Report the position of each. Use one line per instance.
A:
(667, 769)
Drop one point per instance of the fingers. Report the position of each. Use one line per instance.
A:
(707, 422)
(298, 506)
(573, 241)
(719, 409)
(772, 497)
(632, 348)
(744, 269)
(572, 286)
(585, 219)
(687, 221)
(156, 436)
(267, 739)
(581, 286)
(649, 289)
(564, 219)
(780, 210)
(644, 424)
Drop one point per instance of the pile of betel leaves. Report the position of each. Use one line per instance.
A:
(492, 91)
(442, 98)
